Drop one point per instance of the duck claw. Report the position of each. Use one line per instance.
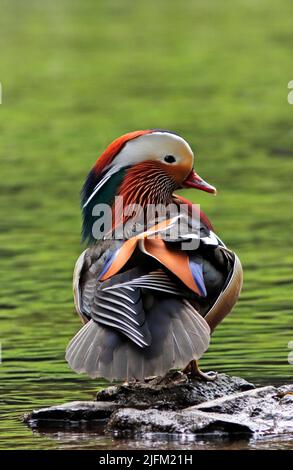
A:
(193, 372)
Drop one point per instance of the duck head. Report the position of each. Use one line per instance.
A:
(145, 167)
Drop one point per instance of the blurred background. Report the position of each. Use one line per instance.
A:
(75, 75)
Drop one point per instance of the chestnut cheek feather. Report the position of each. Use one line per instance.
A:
(148, 183)
(177, 172)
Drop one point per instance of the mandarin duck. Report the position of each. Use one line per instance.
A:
(151, 294)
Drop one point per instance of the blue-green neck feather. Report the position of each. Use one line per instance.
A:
(104, 196)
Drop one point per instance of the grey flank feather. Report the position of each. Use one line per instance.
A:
(179, 334)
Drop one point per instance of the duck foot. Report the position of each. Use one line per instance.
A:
(193, 371)
(130, 382)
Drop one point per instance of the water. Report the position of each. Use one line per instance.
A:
(75, 76)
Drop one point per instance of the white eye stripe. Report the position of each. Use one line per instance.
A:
(156, 145)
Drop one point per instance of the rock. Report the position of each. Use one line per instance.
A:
(72, 412)
(270, 408)
(236, 402)
(172, 392)
(176, 404)
(262, 410)
(133, 421)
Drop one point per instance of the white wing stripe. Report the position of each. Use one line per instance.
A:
(116, 302)
(112, 309)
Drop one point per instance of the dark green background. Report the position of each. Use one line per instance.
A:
(75, 75)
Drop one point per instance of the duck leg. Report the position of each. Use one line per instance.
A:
(193, 371)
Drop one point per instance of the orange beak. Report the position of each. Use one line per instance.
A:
(195, 181)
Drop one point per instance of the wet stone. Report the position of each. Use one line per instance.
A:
(72, 412)
(176, 404)
(173, 391)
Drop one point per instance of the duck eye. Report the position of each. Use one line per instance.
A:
(169, 159)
